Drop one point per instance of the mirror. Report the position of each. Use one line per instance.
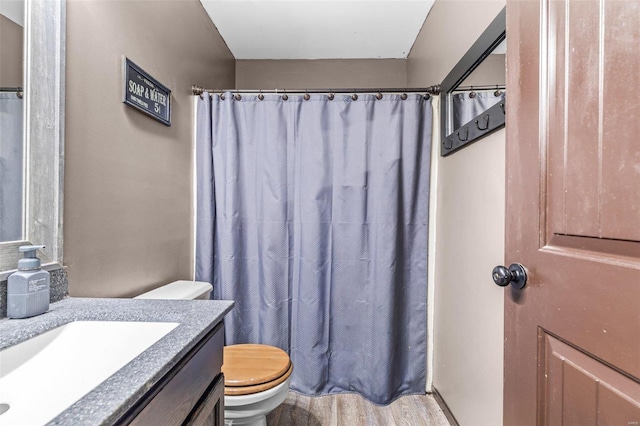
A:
(473, 93)
(43, 124)
(11, 119)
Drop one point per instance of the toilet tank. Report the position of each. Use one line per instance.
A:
(184, 290)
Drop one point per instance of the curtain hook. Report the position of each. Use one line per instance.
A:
(354, 96)
(472, 94)
(260, 95)
(427, 96)
(306, 95)
(285, 96)
(404, 96)
(222, 96)
(498, 92)
(330, 96)
(379, 94)
(237, 96)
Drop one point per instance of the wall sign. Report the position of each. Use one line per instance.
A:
(145, 93)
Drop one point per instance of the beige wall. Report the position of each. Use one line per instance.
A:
(11, 53)
(320, 74)
(469, 231)
(128, 203)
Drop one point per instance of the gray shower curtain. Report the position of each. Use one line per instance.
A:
(312, 215)
(11, 158)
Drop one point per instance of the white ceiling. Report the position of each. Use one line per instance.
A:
(318, 29)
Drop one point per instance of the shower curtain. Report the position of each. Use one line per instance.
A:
(466, 107)
(312, 215)
(11, 157)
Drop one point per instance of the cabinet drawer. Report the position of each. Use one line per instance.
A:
(178, 392)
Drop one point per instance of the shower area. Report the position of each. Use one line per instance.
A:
(312, 214)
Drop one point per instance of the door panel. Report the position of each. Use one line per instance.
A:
(581, 390)
(572, 336)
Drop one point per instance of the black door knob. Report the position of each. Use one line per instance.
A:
(515, 275)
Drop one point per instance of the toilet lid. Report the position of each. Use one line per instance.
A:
(253, 364)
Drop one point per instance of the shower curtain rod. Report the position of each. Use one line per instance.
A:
(432, 90)
(17, 90)
(485, 87)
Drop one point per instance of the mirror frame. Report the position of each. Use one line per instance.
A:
(494, 117)
(44, 92)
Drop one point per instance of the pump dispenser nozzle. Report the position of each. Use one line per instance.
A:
(30, 260)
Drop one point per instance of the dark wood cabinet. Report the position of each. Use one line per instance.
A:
(191, 393)
(210, 410)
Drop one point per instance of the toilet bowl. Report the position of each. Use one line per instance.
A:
(256, 380)
(256, 377)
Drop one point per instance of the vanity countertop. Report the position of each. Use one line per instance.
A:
(112, 398)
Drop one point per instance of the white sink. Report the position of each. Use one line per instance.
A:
(43, 376)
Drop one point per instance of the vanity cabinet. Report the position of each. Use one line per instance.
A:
(191, 393)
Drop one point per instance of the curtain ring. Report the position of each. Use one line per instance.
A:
(427, 96)
(498, 92)
(354, 97)
(379, 95)
(404, 96)
(237, 96)
(261, 96)
(285, 96)
(472, 94)
(330, 96)
(222, 96)
(306, 95)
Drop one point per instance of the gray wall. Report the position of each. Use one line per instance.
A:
(11, 53)
(469, 231)
(320, 74)
(128, 204)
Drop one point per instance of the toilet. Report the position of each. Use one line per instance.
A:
(256, 377)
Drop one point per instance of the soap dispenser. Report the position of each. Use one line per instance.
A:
(28, 289)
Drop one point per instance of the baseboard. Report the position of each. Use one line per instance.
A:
(445, 408)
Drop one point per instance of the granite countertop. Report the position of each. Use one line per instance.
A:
(112, 398)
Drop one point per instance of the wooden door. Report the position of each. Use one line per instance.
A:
(572, 335)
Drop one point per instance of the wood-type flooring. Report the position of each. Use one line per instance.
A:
(353, 410)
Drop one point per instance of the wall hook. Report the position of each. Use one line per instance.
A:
(448, 142)
(466, 135)
(486, 122)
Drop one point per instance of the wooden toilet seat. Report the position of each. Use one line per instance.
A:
(252, 368)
